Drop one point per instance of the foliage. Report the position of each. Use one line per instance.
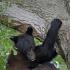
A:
(37, 42)
(63, 66)
(6, 44)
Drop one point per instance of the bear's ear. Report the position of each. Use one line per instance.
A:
(14, 39)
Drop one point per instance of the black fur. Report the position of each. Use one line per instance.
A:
(46, 51)
(29, 32)
(14, 39)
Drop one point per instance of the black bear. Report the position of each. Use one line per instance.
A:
(46, 52)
